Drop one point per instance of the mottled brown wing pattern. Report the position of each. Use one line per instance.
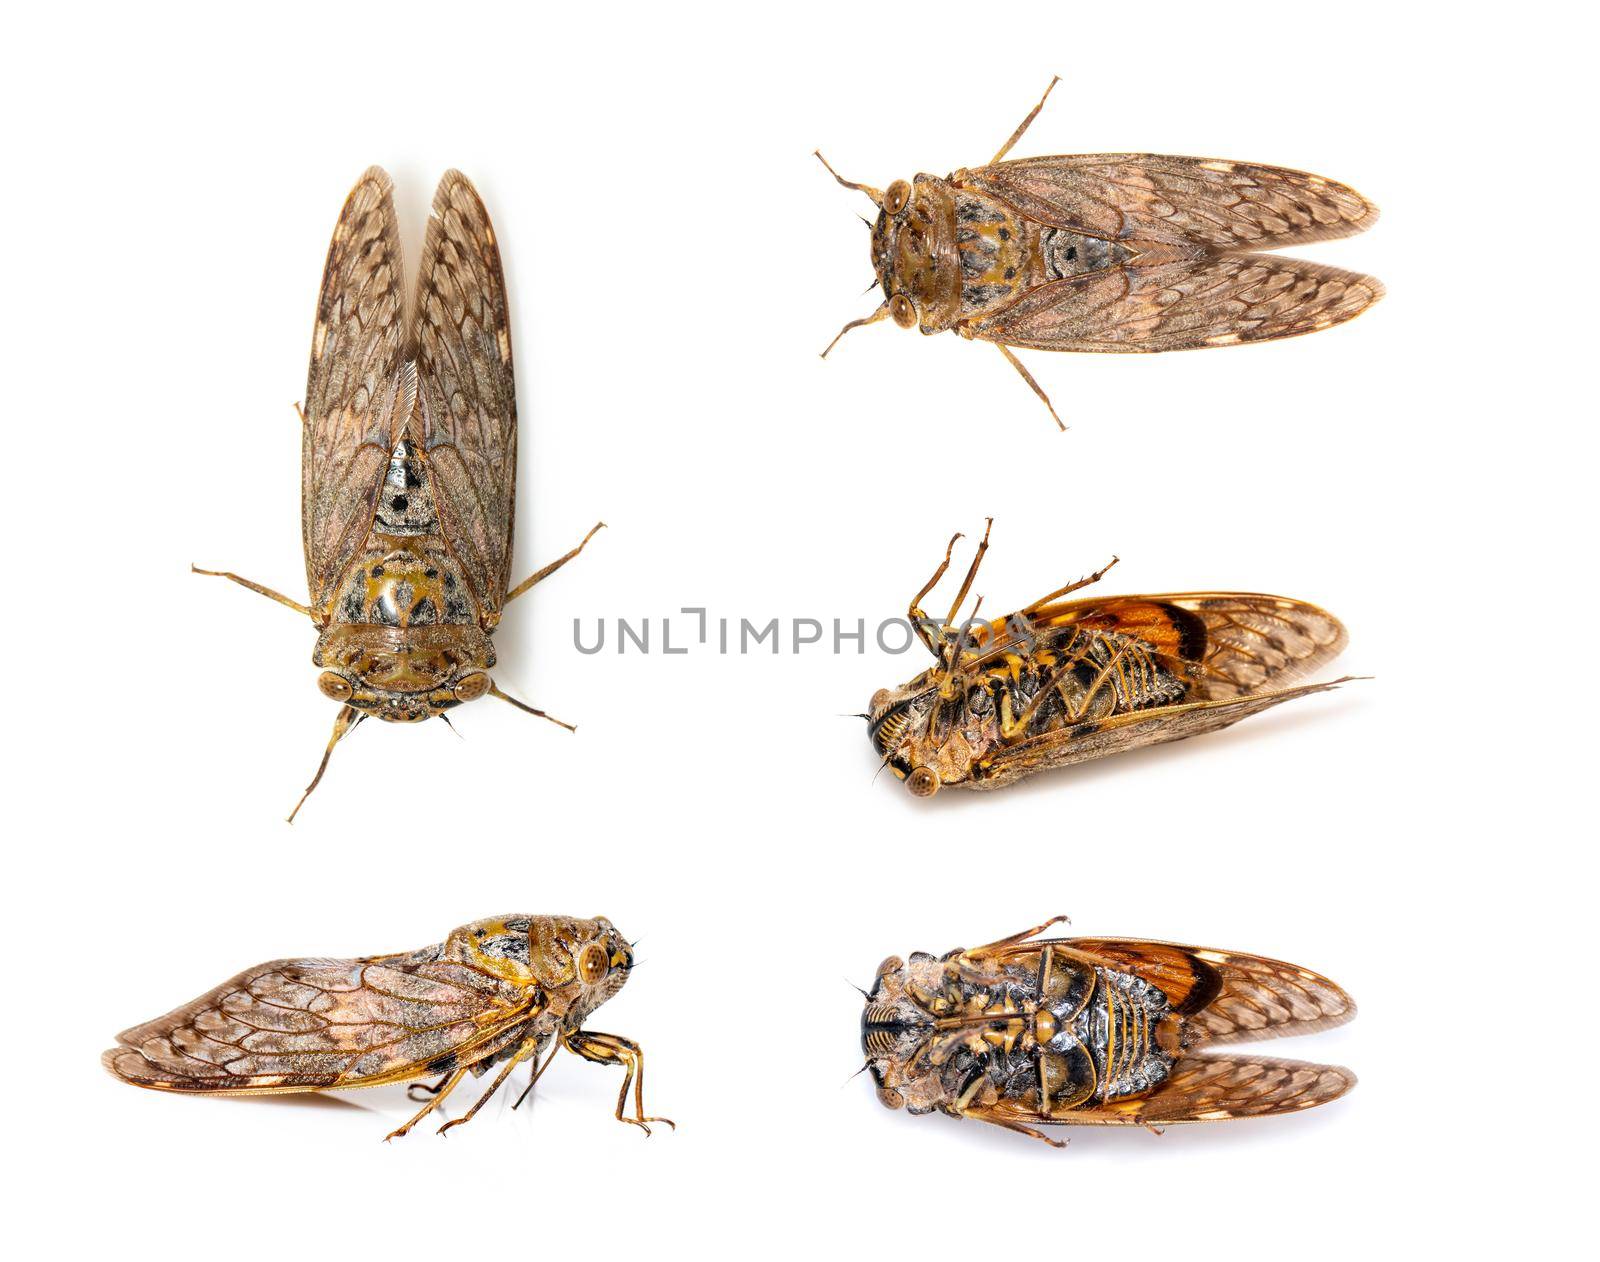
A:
(1215, 300)
(1214, 1088)
(1230, 644)
(357, 392)
(1255, 641)
(295, 1025)
(1217, 205)
(1227, 996)
(469, 411)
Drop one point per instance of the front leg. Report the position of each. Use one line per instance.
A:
(257, 587)
(1016, 939)
(613, 1049)
(550, 569)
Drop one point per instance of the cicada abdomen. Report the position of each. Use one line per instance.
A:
(1095, 1031)
(501, 991)
(409, 463)
(1061, 682)
(1112, 252)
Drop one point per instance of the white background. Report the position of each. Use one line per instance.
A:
(676, 259)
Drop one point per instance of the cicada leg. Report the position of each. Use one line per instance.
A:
(919, 620)
(1073, 586)
(494, 691)
(958, 646)
(1011, 1124)
(1016, 938)
(529, 1048)
(1027, 122)
(426, 1089)
(613, 1049)
(445, 1088)
(540, 575)
(1028, 377)
(348, 718)
(255, 587)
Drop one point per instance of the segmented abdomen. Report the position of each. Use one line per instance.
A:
(1087, 675)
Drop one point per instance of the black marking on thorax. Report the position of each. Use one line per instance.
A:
(1067, 253)
(405, 502)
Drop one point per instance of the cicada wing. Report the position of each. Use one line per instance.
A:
(467, 392)
(1216, 1088)
(300, 1025)
(1207, 203)
(1228, 644)
(1211, 300)
(1081, 742)
(1227, 996)
(358, 393)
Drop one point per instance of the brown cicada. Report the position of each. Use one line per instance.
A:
(497, 991)
(1112, 252)
(408, 464)
(1060, 682)
(1095, 1031)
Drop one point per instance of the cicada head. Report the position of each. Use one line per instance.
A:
(926, 740)
(915, 256)
(578, 963)
(404, 674)
(585, 961)
(900, 1036)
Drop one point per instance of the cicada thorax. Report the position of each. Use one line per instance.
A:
(1046, 1032)
(404, 638)
(953, 256)
(951, 722)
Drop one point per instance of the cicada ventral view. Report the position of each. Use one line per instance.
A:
(1026, 1032)
(1112, 252)
(501, 991)
(408, 465)
(1063, 681)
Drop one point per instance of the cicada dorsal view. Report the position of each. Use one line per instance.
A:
(1063, 681)
(502, 991)
(1112, 252)
(408, 464)
(1027, 1032)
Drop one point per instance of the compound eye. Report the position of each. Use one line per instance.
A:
(923, 781)
(879, 700)
(472, 687)
(896, 196)
(902, 311)
(593, 963)
(335, 686)
(890, 1098)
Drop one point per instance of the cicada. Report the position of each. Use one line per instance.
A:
(1112, 252)
(501, 991)
(408, 464)
(1060, 682)
(1095, 1031)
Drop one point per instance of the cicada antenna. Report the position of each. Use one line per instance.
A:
(494, 691)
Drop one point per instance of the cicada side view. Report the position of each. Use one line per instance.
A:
(1095, 1031)
(501, 991)
(408, 464)
(1112, 252)
(1060, 682)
